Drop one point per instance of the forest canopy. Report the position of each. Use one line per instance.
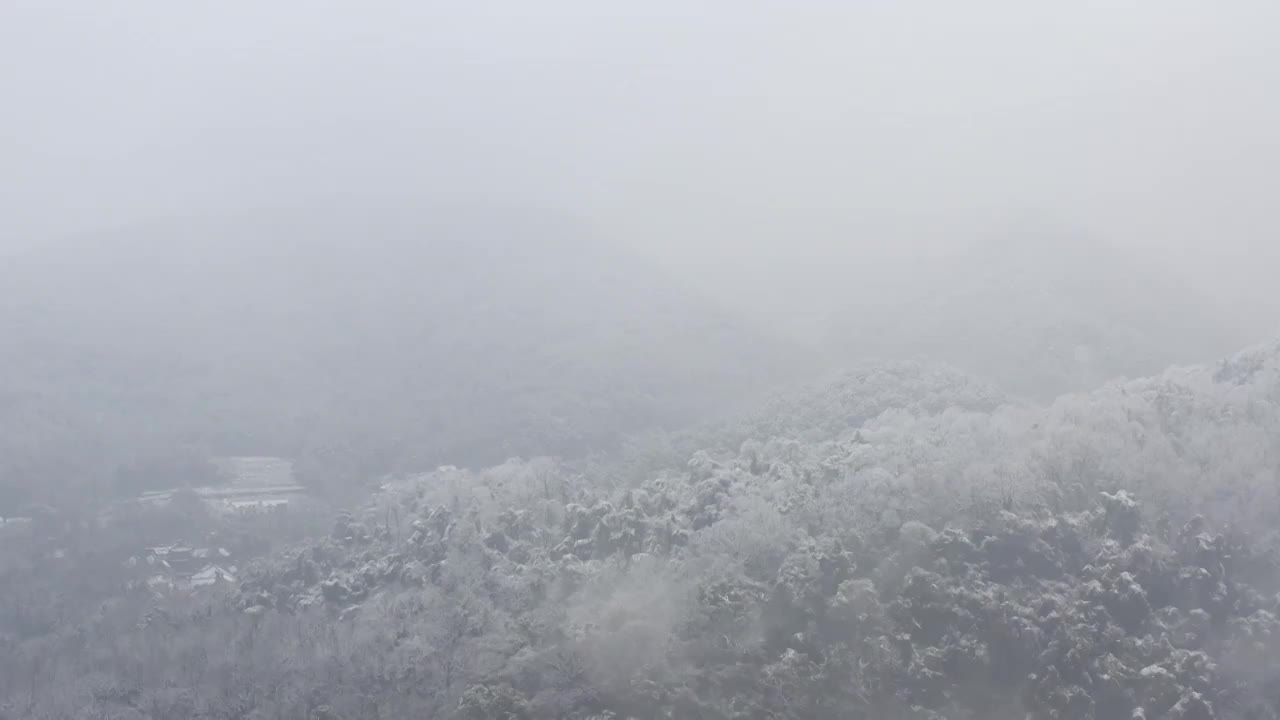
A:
(914, 546)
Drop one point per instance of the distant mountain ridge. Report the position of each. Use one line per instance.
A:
(1042, 313)
(358, 341)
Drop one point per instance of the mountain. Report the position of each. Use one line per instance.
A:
(360, 341)
(1040, 314)
(1110, 556)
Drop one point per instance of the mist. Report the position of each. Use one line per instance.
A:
(797, 150)
(578, 361)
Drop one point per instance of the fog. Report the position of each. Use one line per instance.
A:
(749, 146)
(571, 360)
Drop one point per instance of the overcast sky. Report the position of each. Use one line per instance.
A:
(755, 140)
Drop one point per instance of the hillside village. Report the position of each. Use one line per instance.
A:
(252, 484)
(171, 542)
(179, 567)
